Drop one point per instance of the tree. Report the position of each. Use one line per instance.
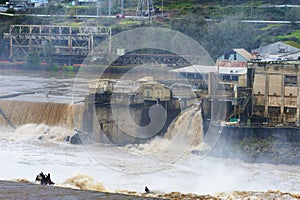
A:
(33, 60)
(293, 15)
(190, 24)
(223, 36)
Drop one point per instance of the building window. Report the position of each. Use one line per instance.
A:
(282, 50)
(290, 110)
(227, 77)
(290, 80)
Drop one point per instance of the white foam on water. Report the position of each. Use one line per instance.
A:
(83, 181)
(25, 156)
(33, 148)
(36, 132)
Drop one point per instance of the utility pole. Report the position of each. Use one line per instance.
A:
(148, 9)
(109, 7)
(76, 9)
(251, 13)
(122, 9)
(162, 8)
(99, 8)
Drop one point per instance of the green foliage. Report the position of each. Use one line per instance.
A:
(11, 11)
(188, 17)
(270, 27)
(293, 14)
(272, 33)
(292, 43)
(68, 69)
(57, 9)
(294, 36)
(190, 24)
(55, 68)
(33, 60)
(65, 69)
(228, 34)
(47, 55)
(217, 37)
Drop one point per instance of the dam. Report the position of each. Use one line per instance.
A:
(135, 111)
(239, 102)
(21, 149)
(259, 100)
(105, 110)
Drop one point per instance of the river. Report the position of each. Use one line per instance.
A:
(35, 147)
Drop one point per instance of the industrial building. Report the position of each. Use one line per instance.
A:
(276, 92)
(263, 94)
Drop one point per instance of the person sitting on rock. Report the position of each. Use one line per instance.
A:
(44, 179)
(147, 189)
(48, 180)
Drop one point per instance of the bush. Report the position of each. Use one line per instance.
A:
(33, 60)
(68, 69)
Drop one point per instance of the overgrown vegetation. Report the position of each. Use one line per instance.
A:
(190, 17)
(33, 60)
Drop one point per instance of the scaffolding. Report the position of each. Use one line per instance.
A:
(61, 41)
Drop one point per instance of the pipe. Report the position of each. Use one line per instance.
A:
(7, 119)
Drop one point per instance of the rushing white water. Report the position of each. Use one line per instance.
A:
(33, 148)
(23, 155)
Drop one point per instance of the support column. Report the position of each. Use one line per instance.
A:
(298, 97)
(266, 94)
(282, 98)
(30, 38)
(11, 47)
(87, 122)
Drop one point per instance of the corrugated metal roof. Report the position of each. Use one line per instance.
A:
(294, 56)
(275, 48)
(244, 53)
(208, 69)
(196, 69)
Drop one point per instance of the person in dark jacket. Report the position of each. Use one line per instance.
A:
(44, 179)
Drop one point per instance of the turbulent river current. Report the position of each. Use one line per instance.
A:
(40, 144)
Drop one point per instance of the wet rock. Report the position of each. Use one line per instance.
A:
(67, 139)
(15, 190)
(75, 139)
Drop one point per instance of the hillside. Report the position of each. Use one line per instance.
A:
(190, 17)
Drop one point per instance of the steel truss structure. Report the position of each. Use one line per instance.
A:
(157, 59)
(59, 41)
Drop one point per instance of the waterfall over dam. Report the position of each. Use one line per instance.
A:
(187, 125)
(52, 114)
